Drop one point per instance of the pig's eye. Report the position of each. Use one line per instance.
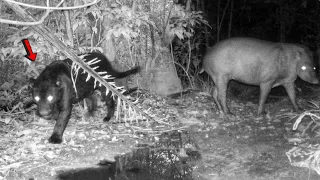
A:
(303, 67)
(37, 98)
(49, 98)
(314, 68)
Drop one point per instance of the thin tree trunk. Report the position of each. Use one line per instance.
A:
(282, 29)
(218, 20)
(188, 5)
(205, 27)
(189, 44)
(134, 4)
(163, 21)
(68, 25)
(230, 19)
(149, 61)
(222, 17)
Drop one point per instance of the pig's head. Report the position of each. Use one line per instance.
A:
(306, 69)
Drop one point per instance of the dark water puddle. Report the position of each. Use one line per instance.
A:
(171, 158)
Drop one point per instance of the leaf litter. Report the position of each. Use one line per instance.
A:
(243, 145)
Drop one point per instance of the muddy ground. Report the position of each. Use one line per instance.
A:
(194, 141)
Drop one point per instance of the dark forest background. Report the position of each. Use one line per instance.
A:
(280, 21)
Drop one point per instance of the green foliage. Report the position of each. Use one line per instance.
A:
(187, 50)
(182, 23)
(126, 23)
(17, 51)
(14, 93)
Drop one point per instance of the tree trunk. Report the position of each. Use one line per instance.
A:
(282, 29)
(188, 5)
(230, 19)
(205, 27)
(68, 25)
(218, 21)
(108, 44)
(159, 75)
(162, 79)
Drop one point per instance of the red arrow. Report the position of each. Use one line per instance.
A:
(30, 55)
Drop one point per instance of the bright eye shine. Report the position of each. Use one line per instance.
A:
(37, 98)
(304, 68)
(49, 98)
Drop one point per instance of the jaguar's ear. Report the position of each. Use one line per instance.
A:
(63, 81)
(58, 83)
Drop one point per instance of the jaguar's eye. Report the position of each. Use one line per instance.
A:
(50, 98)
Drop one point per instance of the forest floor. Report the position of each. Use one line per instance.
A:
(194, 141)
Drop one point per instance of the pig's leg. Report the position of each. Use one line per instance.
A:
(215, 98)
(222, 83)
(264, 92)
(292, 94)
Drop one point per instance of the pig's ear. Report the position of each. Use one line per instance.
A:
(303, 52)
(298, 55)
